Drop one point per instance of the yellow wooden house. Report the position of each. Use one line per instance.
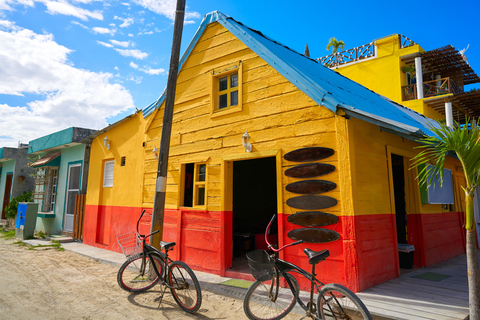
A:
(243, 101)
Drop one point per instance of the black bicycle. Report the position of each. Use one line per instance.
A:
(276, 291)
(146, 266)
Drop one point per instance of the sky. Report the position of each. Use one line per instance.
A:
(90, 63)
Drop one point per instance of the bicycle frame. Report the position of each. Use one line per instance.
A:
(284, 267)
(147, 249)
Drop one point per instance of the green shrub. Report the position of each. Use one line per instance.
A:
(11, 209)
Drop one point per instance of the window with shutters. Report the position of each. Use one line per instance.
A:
(108, 174)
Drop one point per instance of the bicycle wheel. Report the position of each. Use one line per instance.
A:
(137, 274)
(185, 287)
(337, 302)
(269, 300)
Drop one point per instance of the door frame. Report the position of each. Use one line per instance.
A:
(9, 190)
(69, 166)
(412, 200)
(226, 205)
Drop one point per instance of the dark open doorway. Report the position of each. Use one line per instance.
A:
(254, 204)
(398, 171)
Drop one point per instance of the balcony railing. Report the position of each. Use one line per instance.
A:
(431, 89)
(359, 53)
(355, 54)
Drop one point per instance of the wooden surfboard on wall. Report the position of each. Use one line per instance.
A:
(311, 202)
(314, 235)
(309, 170)
(310, 186)
(308, 154)
(312, 218)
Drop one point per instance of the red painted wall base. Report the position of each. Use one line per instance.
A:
(365, 255)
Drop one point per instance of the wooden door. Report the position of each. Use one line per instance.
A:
(8, 189)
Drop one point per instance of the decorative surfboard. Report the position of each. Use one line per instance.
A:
(311, 202)
(309, 170)
(308, 154)
(310, 186)
(312, 218)
(314, 235)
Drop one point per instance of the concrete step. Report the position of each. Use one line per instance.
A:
(59, 238)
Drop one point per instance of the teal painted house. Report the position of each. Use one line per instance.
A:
(16, 177)
(61, 171)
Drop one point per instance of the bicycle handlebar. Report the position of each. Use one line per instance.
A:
(138, 231)
(271, 246)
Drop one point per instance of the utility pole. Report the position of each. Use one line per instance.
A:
(161, 183)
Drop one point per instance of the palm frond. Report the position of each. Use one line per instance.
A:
(462, 140)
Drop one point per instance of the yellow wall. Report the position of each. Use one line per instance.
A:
(125, 141)
(373, 187)
(383, 74)
(275, 113)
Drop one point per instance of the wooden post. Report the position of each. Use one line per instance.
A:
(161, 183)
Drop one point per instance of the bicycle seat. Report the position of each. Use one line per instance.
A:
(166, 245)
(315, 257)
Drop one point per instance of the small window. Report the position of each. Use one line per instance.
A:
(108, 174)
(434, 194)
(410, 79)
(45, 192)
(123, 160)
(194, 184)
(227, 90)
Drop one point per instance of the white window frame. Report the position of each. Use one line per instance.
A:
(108, 170)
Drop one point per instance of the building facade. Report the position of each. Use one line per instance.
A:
(244, 101)
(61, 167)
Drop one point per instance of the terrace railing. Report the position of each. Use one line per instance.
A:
(359, 53)
(350, 55)
(431, 89)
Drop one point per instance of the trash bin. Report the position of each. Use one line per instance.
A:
(405, 253)
(26, 220)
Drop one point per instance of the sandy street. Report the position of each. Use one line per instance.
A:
(53, 284)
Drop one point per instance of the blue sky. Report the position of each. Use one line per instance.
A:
(89, 63)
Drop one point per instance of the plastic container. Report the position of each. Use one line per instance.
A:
(405, 254)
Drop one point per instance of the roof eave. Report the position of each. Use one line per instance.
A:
(387, 125)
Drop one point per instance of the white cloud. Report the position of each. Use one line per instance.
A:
(79, 24)
(108, 45)
(165, 8)
(61, 7)
(35, 64)
(133, 65)
(126, 21)
(137, 79)
(104, 30)
(124, 44)
(151, 71)
(5, 4)
(135, 53)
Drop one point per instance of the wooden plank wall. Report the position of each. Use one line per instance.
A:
(275, 113)
(78, 216)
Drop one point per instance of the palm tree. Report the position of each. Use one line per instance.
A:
(464, 141)
(335, 45)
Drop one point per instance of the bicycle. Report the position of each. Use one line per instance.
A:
(275, 291)
(146, 266)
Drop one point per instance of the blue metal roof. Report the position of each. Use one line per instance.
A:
(326, 87)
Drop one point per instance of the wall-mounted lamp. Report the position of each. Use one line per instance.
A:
(246, 142)
(106, 142)
(155, 152)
